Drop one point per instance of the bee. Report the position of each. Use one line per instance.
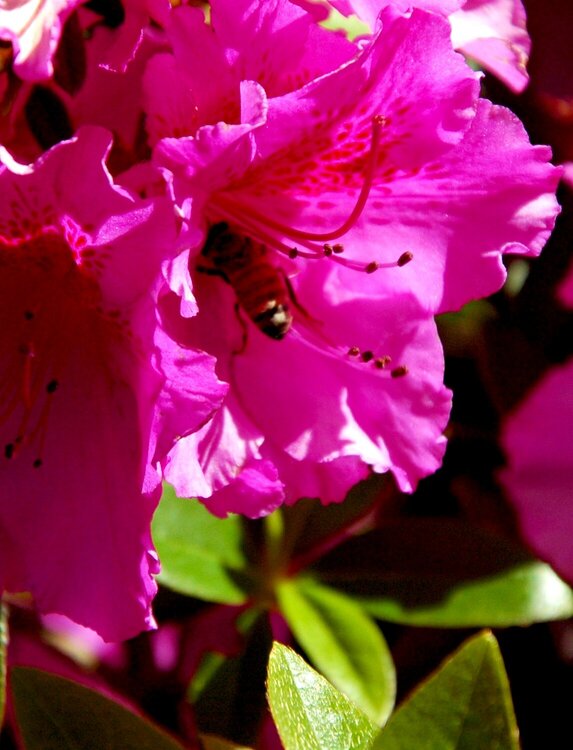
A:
(262, 290)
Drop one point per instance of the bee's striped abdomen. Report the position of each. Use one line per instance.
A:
(260, 287)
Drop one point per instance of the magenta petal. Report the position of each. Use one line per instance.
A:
(190, 396)
(369, 10)
(494, 33)
(539, 478)
(81, 535)
(256, 492)
(34, 28)
(80, 259)
(492, 194)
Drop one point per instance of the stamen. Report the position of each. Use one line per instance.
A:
(254, 224)
(381, 362)
(399, 372)
(378, 122)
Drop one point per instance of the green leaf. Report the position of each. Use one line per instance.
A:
(201, 555)
(343, 643)
(310, 714)
(446, 573)
(3, 649)
(56, 714)
(465, 705)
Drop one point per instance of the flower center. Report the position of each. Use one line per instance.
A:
(46, 300)
(254, 277)
(264, 227)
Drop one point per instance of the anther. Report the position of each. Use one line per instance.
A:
(354, 351)
(37, 463)
(28, 315)
(338, 248)
(9, 450)
(52, 386)
(371, 267)
(404, 259)
(328, 250)
(293, 253)
(399, 372)
(367, 356)
(381, 362)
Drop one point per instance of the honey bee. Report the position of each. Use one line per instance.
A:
(261, 289)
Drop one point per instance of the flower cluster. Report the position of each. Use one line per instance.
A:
(222, 265)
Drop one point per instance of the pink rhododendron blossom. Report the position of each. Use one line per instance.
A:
(34, 28)
(390, 154)
(493, 32)
(539, 476)
(86, 395)
(316, 446)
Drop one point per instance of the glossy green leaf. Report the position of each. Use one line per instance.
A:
(3, 649)
(529, 593)
(446, 573)
(310, 714)
(56, 714)
(465, 705)
(201, 555)
(343, 643)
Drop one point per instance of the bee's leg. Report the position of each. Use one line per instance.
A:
(292, 295)
(244, 329)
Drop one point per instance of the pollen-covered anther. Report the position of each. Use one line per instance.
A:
(379, 121)
(293, 253)
(399, 372)
(381, 362)
(330, 250)
(371, 267)
(367, 356)
(404, 259)
(354, 351)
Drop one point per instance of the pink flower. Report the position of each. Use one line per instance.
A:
(539, 476)
(390, 154)
(492, 32)
(34, 28)
(87, 404)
